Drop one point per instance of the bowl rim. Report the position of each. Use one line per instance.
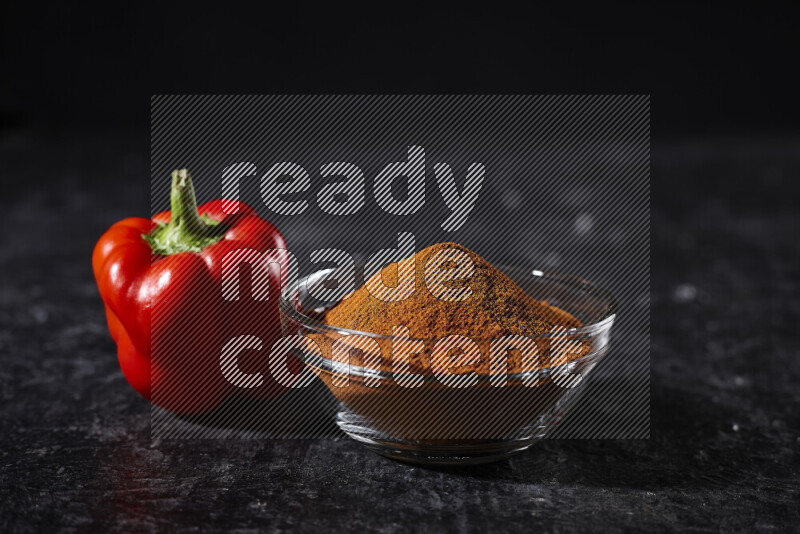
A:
(286, 307)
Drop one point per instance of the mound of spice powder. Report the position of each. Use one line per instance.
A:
(495, 307)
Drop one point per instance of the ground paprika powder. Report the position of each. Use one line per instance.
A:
(414, 404)
(495, 308)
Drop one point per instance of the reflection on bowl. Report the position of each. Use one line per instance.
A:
(398, 400)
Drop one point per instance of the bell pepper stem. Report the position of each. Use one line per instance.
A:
(186, 231)
(183, 204)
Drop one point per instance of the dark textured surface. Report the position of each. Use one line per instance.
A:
(75, 447)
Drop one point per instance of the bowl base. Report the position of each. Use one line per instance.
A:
(430, 453)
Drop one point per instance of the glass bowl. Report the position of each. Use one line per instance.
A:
(410, 411)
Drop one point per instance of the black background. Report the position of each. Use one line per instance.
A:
(710, 68)
(75, 86)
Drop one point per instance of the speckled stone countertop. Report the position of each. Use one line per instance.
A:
(75, 446)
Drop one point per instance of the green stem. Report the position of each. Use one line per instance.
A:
(187, 231)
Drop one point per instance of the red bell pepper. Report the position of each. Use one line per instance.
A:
(160, 281)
